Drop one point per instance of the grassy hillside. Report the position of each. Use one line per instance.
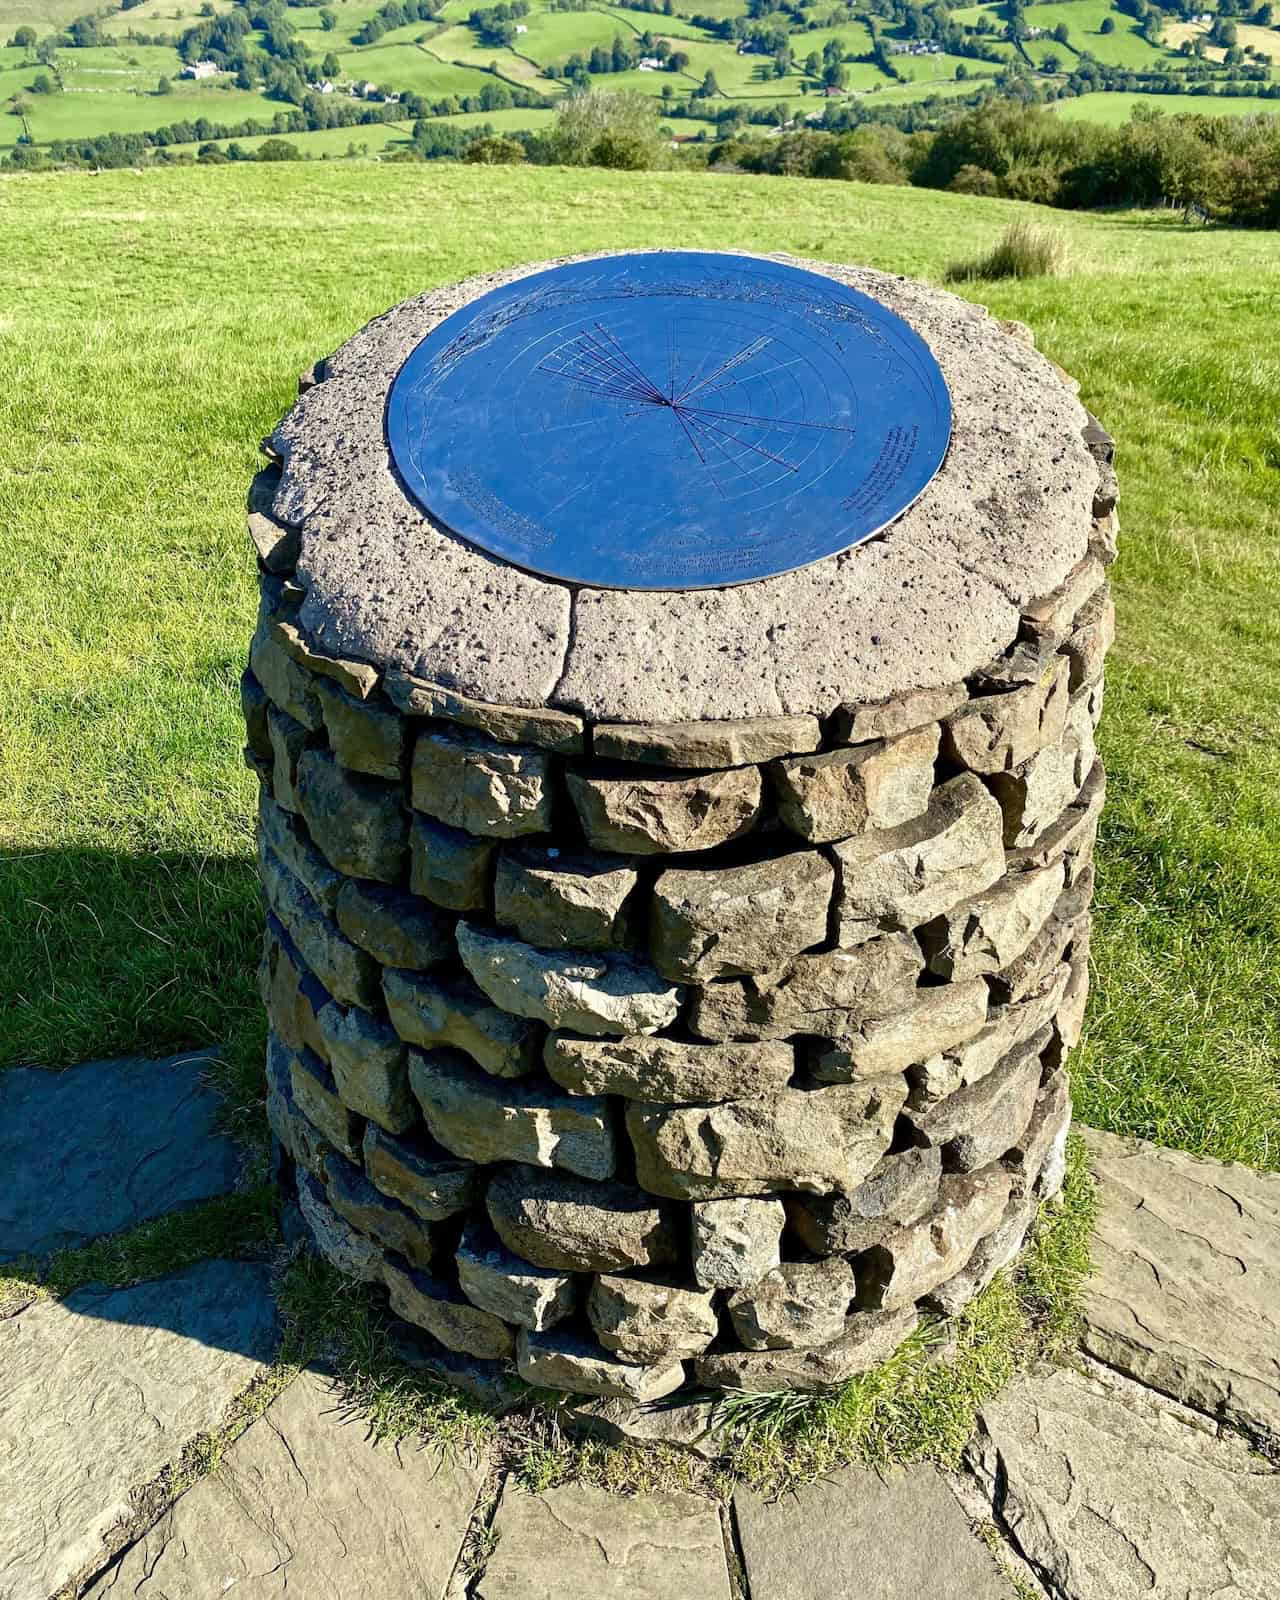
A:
(161, 339)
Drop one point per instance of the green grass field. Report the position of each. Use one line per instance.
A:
(1113, 108)
(160, 340)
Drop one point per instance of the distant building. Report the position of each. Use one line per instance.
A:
(199, 69)
(649, 64)
(521, 28)
(321, 88)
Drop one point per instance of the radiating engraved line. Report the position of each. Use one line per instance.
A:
(768, 422)
(747, 353)
(738, 439)
(727, 383)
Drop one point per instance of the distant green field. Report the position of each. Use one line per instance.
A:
(405, 66)
(1111, 109)
(42, 15)
(1124, 48)
(369, 139)
(941, 68)
(458, 44)
(82, 113)
(554, 36)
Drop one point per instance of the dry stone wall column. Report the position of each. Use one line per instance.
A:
(641, 1055)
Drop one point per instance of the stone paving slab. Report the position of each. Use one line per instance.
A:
(101, 1391)
(304, 1504)
(858, 1536)
(1111, 1491)
(1185, 1289)
(103, 1147)
(582, 1543)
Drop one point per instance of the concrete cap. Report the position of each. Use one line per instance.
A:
(933, 598)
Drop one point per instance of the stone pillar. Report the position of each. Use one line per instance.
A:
(676, 989)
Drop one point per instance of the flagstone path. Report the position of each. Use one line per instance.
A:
(1149, 1469)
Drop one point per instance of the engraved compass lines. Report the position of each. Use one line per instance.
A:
(595, 362)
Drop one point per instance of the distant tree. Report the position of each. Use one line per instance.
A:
(708, 88)
(278, 150)
(164, 86)
(1108, 25)
(24, 37)
(962, 72)
(212, 155)
(207, 9)
(330, 67)
(47, 51)
(1062, 33)
(677, 61)
(584, 119)
(782, 62)
(812, 64)
(328, 20)
(42, 83)
(1051, 63)
(495, 151)
(18, 106)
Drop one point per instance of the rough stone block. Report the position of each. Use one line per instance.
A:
(644, 815)
(105, 1146)
(1034, 796)
(1069, 1019)
(584, 1543)
(735, 1242)
(277, 547)
(364, 736)
(992, 1253)
(281, 1502)
(287, 685)
(420, 1173)
(645, 1320)
(868, 1340)
(901, 713)
(373, 1213)
(848, 790)
(1092, 637)
(701, 746)
(438, 1012)
(515, 1290)
(352, 1253)
(897, 878)
(916, 1259)
(815, 1140)
(316, 1093)
(572, 1226)
(486, 1119)
(818, 993)
(445, 1314)
(542, 726)
(367, 1058)
(356, 678)
(559, 1359)
(900, 1189)
(577, 990)
(735, 921)
(397, 929)
(347, 972)
(359, 823)
(979, 1123)
(997, 732)
(494, 791)
(799, 1303)
(300, 1139)
(1009, 1026)
(689, 1426)
(1073, 830)
(288, 740)
(287, 839)
(556, 898)
(1050, 617)
(937, 1019)
(1044, 1135)
(253, 706)
(99, 1392)
(652, 1069)
(449, 867)
(990, 931)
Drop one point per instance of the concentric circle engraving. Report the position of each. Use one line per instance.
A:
(671, 420)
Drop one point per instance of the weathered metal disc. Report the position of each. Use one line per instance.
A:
(672, 420)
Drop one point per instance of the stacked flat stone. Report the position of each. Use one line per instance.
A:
(700, 1050)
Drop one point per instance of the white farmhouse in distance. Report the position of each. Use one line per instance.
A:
(521, 28)
(199, 69)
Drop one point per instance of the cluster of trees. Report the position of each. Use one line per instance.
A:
(1229, 167)
(395, 14)
(496, 25)
(623, 55)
